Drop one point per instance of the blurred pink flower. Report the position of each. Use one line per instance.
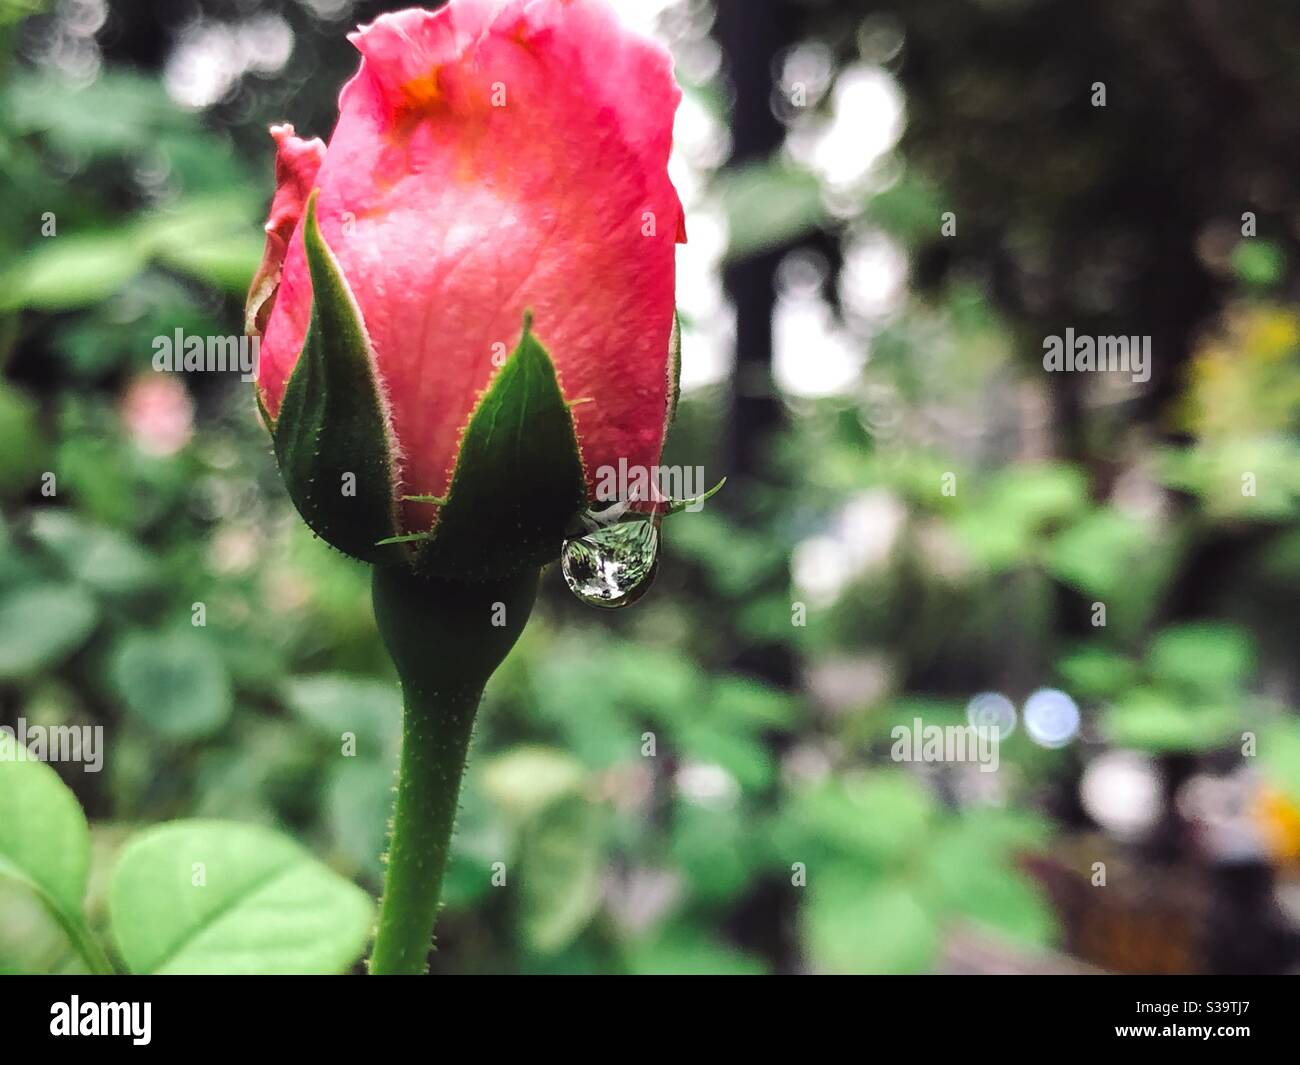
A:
(158, 414)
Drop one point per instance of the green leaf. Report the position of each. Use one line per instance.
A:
(358, 805)
(856, 927)
(16, 10)
(45, 847)
(1018, 505)
(332, 436)
(1203, 658)
(336, 703)
(878, 820)
(22, 448)
(219, 897)
(207, 237)
(735, 559)
(908, 209)
(123, 113)
(1095, 673)
(688, 952)
(1159, 720)
(746, 703)
(1100, 553)
(100, 558)
(519, 479)
(560, 862)
(742, 756)
(1212, 470)
(714, 848)
(526, 780)
(1279, 757)
(1034, 496)
(72, 271)
(41, 625)
(973, 881)
(482, 839)
(768, 205)
(44, 839)
(173, 682)
(225, 263)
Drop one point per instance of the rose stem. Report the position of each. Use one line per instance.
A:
(446, 639)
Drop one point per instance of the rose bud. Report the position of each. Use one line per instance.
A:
(466, 306)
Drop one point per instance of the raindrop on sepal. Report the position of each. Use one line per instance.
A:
(614, 565)
(612, 554)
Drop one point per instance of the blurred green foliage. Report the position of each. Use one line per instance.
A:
(637, 800)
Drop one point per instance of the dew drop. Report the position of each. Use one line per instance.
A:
(614, 566)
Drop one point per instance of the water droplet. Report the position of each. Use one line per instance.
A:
(613, 566)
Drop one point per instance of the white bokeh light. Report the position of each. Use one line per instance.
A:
(643, 15)
(709, 332)
(866, 121)
(1051, 718)
(211, 57)
(812, 354)
(861, 539)
(992, 710)
(1121, 791)
(707, 784)
(873, 281)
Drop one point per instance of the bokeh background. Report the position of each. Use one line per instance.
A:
(843, 356)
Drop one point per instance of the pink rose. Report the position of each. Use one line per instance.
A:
(491, 158)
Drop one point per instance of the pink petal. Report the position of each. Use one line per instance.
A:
(296, 164)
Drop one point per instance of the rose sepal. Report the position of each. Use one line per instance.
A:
(518, 481)
(332, 433)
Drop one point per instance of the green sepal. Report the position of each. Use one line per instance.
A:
(678, 506)
(333, 421)
(591, 521)
(267, 421)
(674, 370)
(519, 478)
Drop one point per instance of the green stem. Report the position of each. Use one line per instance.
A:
(88, 947)
(446, 639)
(436, 728)
(75, 928)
